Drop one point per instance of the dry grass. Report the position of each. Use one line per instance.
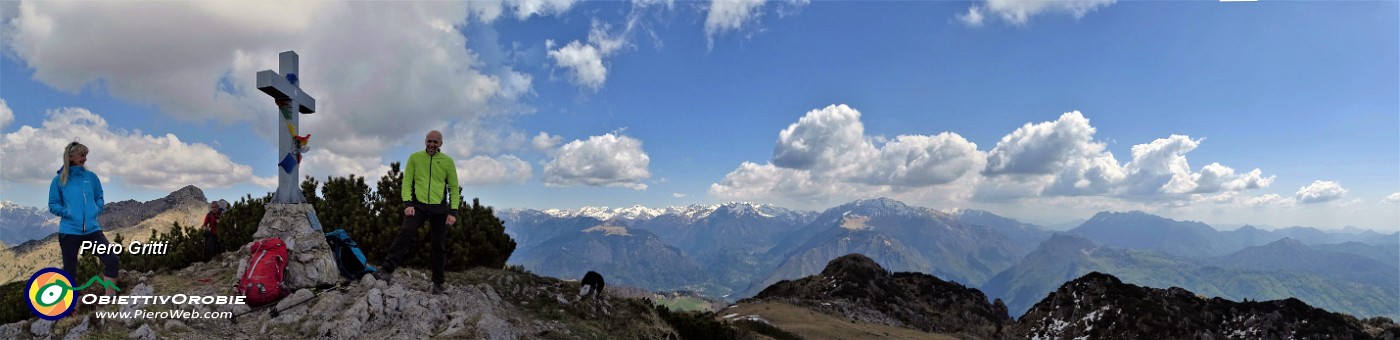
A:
(814, 325)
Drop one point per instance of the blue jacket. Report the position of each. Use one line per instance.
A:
(78, 203)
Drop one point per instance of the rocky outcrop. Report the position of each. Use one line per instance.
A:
(186, 207)
(477, 304)
(122, 214)
(310, 262)
(857, 288)
(1099, 306)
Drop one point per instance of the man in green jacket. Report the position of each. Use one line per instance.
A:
(430, 194)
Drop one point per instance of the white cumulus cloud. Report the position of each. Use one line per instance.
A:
(1161, 166)
(164, 162)
(464, 139)
(1044, 148)
(545, 142)
(524, 9)
(321, 164)
(584, 61)
(1393, 198)
(1019, 12)
(1320, 191)
(367, 63)
(1266, 200)
(766, 182)
(731, 15)
(1254, 179)
(916, 161)
(826, 155)
(973, 17)
(724, 16)
(7, 115)
(482, 170)
(826, 139)
(607, 160)
(1054, 158)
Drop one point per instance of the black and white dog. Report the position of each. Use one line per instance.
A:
(592, 283)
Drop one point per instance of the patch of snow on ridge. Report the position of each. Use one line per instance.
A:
(609, 230)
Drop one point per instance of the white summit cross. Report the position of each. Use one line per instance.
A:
(285, 89)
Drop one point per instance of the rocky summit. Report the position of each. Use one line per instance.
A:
(1100, 306)
(477, 304)
(857, 288)
(122, 214)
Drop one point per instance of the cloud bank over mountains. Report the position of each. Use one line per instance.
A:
(827, 156)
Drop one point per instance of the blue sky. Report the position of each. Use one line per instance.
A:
(1044, 111)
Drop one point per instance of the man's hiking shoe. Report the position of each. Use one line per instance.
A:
(386, 276)
(437, 289)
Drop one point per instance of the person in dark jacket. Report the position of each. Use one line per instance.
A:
(211, 230)
(431, 194)
(75, 196)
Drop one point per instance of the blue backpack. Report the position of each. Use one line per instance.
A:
(348, 257)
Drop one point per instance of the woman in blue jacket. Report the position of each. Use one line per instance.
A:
(76, 197)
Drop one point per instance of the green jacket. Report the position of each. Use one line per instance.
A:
(431, 180)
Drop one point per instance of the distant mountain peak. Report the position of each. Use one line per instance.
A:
(961, 212)
(1101, 305)
(693, 211)
(127, 213)
(9, 205)
(1108, 215)
(878, 207)
(1093, 278)
(855, 287)
(19, 224)
(606, 213)
(856, 266)
(883, 202)
(189, 191)
(1287, 242)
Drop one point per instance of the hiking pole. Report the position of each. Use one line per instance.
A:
(275, 312)
(272, 307)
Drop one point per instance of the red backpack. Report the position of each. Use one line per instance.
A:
(262, 282)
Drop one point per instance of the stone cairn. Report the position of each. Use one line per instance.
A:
(311, 263)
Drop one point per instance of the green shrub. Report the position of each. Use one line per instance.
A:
(766, 329)
(697, 326)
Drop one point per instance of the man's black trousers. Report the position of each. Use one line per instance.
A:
(437, 232)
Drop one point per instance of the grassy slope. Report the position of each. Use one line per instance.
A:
(813, 325)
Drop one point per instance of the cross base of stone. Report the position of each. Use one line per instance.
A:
(311, 263)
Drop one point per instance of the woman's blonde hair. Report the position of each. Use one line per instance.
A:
(72, 148)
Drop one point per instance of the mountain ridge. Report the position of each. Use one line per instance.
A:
(184, 206)
(902, 237)
(854, 286)
(1064, 256)
(1099, 305)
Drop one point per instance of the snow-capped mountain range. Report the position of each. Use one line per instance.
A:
(20, 223)
(693, 211)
